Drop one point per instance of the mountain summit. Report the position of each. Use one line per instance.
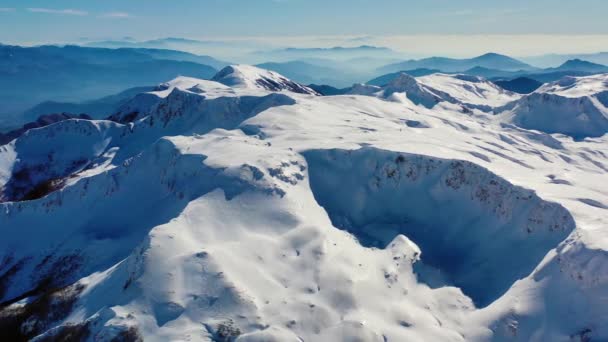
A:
(247, 76)
(581, 65)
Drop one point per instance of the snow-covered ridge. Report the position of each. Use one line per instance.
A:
(250, 77)
(575, 87)
(575, 106)
(182, 106)
(220, 213)
(469, 91)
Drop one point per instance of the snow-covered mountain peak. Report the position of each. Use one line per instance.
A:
(209, 89)
(472, 90)
(575, 106)
(403, 81)
(571, 86)
(251, 77)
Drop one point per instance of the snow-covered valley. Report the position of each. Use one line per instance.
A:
(249, 208)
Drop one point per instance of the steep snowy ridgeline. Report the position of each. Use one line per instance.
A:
(403, 84)
(142, 104)
(253, 215)
(247, 76)
(43, 158)
(43, 120)
(469, 91)
(466, 220)
(48, 158)
(575, 106)
(575, 87)
(416, 92)
(232, 81)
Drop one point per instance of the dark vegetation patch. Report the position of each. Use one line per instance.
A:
(130, 334)
(42, 189)
(21, 323)
(226, 331)
(36, 181)
(51, 273)
(69, 333)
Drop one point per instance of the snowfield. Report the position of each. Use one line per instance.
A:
(576, 106)
(471, 92)
(249, 208)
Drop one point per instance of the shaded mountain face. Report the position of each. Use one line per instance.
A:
(327, 90)
(29, 76)
(520, 85)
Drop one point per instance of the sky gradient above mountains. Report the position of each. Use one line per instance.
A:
(423, 28)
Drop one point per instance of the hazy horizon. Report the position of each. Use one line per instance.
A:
(436, 27)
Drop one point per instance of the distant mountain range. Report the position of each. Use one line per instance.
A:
(580, 65)
(355, 56)
(488, 61)
(307, 73)
(56, 79)
(340, 49)
(521, 81)
(29, 76)
(552, 60)
(161, 43)
(97, 109)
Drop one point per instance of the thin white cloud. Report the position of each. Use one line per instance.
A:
(7, 9)
(116, 15)
(67, 11)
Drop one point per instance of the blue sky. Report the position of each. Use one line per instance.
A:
(36, 21)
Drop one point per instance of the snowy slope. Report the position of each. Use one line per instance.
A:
(471, 92)
(222, 213)
(247, 76)
(575, 106)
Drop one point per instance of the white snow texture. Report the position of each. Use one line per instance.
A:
(249, 208)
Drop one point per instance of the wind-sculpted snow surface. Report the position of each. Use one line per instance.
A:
(471, 92)
(575, 106)
(203, 211)
(466, 220)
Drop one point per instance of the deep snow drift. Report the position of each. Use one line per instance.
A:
(251, 209)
